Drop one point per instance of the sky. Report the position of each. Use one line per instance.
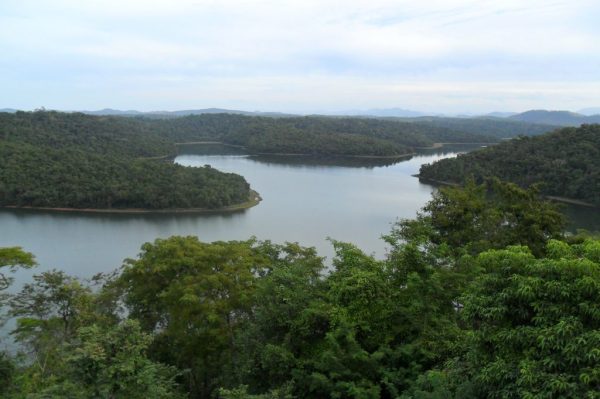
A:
(450, 56)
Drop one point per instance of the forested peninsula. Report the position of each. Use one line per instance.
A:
(566, 163)
(74, 161)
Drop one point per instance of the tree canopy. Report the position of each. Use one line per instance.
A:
(455, 310)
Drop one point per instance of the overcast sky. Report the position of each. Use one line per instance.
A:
(300, 56)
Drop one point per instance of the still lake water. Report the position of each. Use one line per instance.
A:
(304, 200)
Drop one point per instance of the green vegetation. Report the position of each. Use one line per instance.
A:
(54, 160)
(565, 163)
(59, 160)
(314, 135)
(459, 308)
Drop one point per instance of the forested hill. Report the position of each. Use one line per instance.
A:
(314, 135)
(565, 162)
(56, 160)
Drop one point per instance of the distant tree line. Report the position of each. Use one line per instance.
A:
(499, 128)
(314, 135)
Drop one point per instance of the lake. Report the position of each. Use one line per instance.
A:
(304, 200)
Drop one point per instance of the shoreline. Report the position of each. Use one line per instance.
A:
(253, 200)
(329, 156)
(209, 143)
(290, 154)
(436, 146)
(433, 181)
(571, 201)
(564, 200)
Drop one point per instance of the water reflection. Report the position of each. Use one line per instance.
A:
(318, 161)
(338, 161)
(582, 218)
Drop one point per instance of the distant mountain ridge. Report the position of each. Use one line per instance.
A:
(558, 118)
(385, 112)
(187, 112)
(375, 112)
(499, 114)
(590, 111)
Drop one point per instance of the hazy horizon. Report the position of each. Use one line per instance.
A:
(434, 57)
(588, 111)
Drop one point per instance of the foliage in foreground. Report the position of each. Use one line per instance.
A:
(446, 314)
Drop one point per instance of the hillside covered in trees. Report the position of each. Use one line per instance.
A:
(55, 160)
(314, 135)
(459, 309)
(72, 160)
(566, 163)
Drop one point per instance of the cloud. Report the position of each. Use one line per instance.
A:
(270, 46)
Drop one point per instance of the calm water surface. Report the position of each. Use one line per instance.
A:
(303, 200)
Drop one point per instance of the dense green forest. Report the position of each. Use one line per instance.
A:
(49, 159)
(459, 308)
(314, 135)
(566, 163)
(62, 160)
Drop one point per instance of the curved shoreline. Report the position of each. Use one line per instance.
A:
(253, 200)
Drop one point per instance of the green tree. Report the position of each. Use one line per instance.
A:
(475, 218)
(367, 329)
(111, 363)
(289, 316)
(76, 347)
(12, 258)
(535, 323)
(194, 296)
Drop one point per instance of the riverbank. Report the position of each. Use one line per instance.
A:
(332, 156)
(436, 146)
(564, 200)
(571, 201)
(253, 199)
(210, 143)
(436, 182)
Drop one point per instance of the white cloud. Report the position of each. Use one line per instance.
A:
(447, 51)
